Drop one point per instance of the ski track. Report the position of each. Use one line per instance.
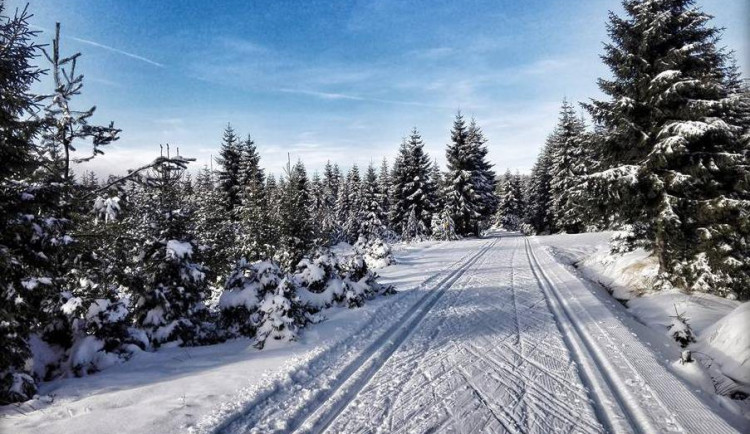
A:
(290, 400)
(505, 340)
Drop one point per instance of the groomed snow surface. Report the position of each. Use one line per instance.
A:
(490, 335)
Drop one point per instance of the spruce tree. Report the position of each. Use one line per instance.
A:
(567, 166)
(539, 204)
(469, 184)
(512, 204)
(673, 161)
(371, 215)
(167, 282)
(253, 237)
(230, 177)
(296, 233)
(19, 256)
(412, 189)
(384, 185)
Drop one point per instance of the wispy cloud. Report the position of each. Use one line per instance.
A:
(108, 48)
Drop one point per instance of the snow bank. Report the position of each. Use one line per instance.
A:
(727, 342)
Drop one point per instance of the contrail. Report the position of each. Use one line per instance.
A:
(107, 47)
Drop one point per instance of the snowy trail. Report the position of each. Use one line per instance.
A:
(506, 341)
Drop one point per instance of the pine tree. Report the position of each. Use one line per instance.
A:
(384, 185)
(296, 233)
(231, 175)
(19, 257)
(672, 160)
(539, 205)
(253, 237)
(371, 215)
(167, 282)
(470, 189)
(412, 189)
(512, 204)
(567, 166)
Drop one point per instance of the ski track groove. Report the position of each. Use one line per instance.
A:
(272, 401)
(532, 417)
(498, 345)
(652, 389)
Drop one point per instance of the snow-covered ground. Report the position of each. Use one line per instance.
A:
(174, 388)
(495, 335)
(720, 325)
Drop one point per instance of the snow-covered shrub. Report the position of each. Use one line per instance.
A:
(320, 282)
(281, 314)
(680, 330)
(244, 290)
(443, 227)
(360, 283)
(375, 251)
(527, 229)
(169, 300)
(628, 239)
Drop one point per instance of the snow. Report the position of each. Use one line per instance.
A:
(172, 389)
(727, 342)
(472, 346)
(630, 278)
(179, 249)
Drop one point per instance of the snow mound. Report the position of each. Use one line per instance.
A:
(728, 343)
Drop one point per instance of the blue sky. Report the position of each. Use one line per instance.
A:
(338, 80)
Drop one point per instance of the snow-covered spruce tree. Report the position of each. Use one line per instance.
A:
(469, 182)
(436, 177)
(330, 227)
(231, 175)
(351, 222)
(360, 282)
(567, 166)
(342, 211)
(64, 129)
(443, 227)
(484, 178)
(281, 314)
(371, 214)
(167, 283)
(320, 281)
(296, 233)
(512, 204)
(412, 189)
(318, 209)
(672, 160)
(21, 250)
(384, 185)
(539, 201)
(253, 240)
(210, 223)
(272, 204)
(244, 291)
